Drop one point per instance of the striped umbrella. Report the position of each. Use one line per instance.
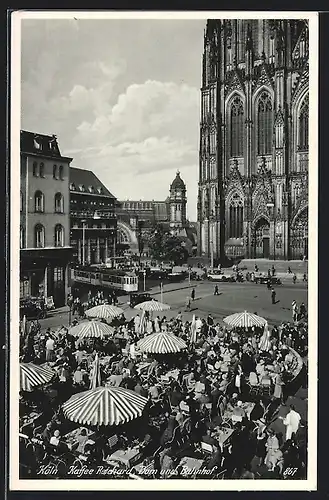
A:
(104, 406)
(161, 343)
(244, 319)
(91, 329)
(152, 305)
(33, 375)
(104, 311)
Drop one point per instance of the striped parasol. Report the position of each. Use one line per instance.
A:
(104, 406)
(161, 343)
(91, 329)
(34, 375)
(244, 320)
(104, 311)
(152, 305)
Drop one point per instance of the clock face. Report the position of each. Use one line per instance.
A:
(178, 193)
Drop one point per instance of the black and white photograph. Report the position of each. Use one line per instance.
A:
(163, 250)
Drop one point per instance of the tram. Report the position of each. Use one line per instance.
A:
(123, 281)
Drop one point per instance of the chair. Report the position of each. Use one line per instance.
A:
(207, 448)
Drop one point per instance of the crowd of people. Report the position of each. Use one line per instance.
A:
(217, 402)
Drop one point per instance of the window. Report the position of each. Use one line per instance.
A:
(237, 114)
(55, 172)
(303, 126)
(236, 217)
(59, 203)
(38, 202)
(61, 172)
(35, 169)
(265, 124)
(42, 170)
(59, 236)
(39, 233)
(22, 237)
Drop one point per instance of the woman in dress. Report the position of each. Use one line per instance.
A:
(272, 447)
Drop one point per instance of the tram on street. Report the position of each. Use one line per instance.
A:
(120, 280)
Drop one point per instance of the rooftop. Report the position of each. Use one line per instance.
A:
(85, 181)
(34, 143)
(178, 182)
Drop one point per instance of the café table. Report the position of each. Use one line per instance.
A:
(70, 437)
(222, 435)
(127, 457)
(246, 406)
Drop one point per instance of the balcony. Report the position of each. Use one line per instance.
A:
(88, 214)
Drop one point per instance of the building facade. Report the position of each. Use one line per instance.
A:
(136, 219)
(253, 169)
(92, 218)
(45, 250)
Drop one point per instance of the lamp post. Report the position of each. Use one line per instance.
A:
(83, 242)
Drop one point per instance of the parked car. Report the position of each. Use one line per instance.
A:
(263, 279)
(32, 308)
(223, 277)
(176, 277)
(138, 298)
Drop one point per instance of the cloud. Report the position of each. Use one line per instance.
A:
(117, 102)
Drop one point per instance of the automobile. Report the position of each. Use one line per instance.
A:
(223, 277)
(263, 279)
(138, 298)
(32, 308)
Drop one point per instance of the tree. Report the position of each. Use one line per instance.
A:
(165, 246)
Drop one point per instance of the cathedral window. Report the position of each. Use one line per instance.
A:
(236, 217)
(303, 126)
(265, 124)
(237, 114)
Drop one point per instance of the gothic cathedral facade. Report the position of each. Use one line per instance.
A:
(253, 172)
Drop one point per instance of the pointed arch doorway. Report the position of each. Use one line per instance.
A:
(262, 239)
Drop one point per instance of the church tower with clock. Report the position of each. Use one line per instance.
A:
(177, 204)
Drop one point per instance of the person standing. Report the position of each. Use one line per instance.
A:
(50, 346)
(294, 310)
(273, 296)
(216, 292)
(294, 278)
(193, 294)
(292, 422)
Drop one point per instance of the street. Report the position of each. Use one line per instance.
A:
(234, 297)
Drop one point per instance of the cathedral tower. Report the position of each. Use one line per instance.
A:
(253, 161)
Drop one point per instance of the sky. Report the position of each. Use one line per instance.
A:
(122, 96)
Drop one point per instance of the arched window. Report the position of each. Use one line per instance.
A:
(38, 202)
(21, 237)
(237, 114)
(236, 217)
(39, 233)
(59, 203)
(35, 169)
(61, 172)
(303, 126)
(42, 170)
(59, 235)
(264, 124)
(55, 172)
